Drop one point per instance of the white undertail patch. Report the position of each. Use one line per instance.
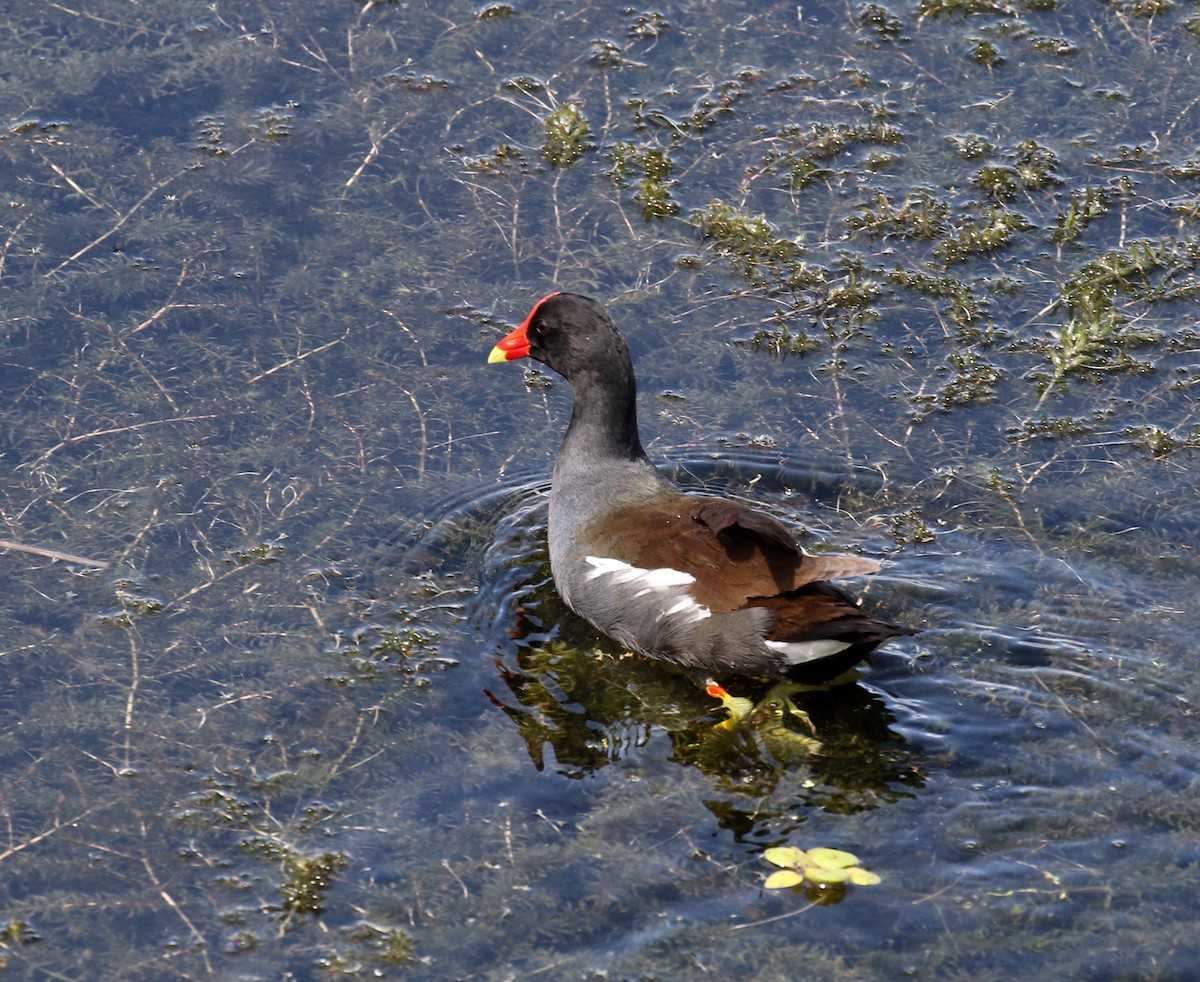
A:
(799, 652)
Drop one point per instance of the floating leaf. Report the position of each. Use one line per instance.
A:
(828, 877)
(783, 878)
(786, 856)
(822, 867)
(831, 858)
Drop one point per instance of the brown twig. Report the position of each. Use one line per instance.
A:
(777, 917)
(116, 429)
(65, 557)
(119, 223)
(298, 358)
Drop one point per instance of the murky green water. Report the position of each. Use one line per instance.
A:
(918, 278)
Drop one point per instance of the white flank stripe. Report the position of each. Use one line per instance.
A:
(687, 609)
(664, 581)
(647, 579)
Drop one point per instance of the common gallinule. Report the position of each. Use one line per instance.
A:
(706, 583)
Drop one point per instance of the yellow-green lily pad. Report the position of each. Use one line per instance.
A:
(821, 867)
(788, 857)
(827, 877)
(783, 878)
(831, 858)
(864, 877)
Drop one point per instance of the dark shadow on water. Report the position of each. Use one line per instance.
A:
(579, 710)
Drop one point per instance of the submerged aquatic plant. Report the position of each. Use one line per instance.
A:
(652, 191)
(1098, 330)
(238, 343)
(567, 135)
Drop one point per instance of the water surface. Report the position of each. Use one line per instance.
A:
(918, 279)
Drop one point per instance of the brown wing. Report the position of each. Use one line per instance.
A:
(734, 552)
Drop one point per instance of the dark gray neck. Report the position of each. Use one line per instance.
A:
(604, 423)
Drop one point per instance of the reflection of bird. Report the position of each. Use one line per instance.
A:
(768, 720)
(707, 583)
